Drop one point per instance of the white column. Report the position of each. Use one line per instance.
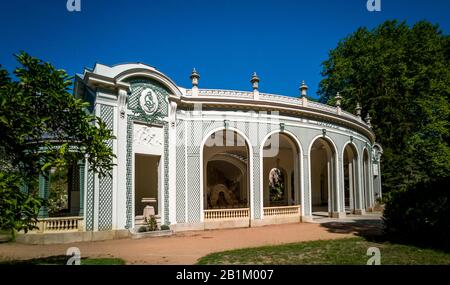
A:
(351, 184)
(359, 199)
(338, 182)
(306, 201)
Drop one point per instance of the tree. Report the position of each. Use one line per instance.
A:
(43, 126)
(401, 76)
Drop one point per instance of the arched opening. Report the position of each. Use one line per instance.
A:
(226, 179)
(281, 171)
(350, 178)
(366, 180)
(323, 178)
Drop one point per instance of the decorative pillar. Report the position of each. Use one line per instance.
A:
(121, 168)
(194, 78)
(339, 203)
(44, 191)
(172, 148)
(359, 176)
(255, 85)
(303, 94)
(257, 205)
(306, 201)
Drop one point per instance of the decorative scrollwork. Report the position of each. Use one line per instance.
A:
(148, 101)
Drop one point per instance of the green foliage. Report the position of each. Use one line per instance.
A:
(276, 192)
(18, 209)
(42, 125)
(401, 75)
(420, 215)
(165, 227)
(152, 224)
(58, 200)
(142, 229)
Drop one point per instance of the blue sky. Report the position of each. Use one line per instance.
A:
(283, 41)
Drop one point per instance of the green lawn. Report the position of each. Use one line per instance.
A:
(339, 252)
(62, 260)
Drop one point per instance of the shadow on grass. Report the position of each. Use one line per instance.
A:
(373, 230)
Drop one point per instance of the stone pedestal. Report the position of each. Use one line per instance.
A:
(359, 212)
(338, 215)
(149, 211)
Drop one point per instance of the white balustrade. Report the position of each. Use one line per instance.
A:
(282, 211)
(64, 224)
(265, 97)
(227, 214)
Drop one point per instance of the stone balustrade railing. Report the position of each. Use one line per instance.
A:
(222, 93)
(64, 224)
(282, 211)
(227, 214)
(293, 101)
(281, 99)
(323, 107)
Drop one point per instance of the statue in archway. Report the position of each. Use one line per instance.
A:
(222, 197)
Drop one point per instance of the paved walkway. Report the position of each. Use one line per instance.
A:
(188, 247)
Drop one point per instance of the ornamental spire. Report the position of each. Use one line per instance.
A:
(255, 81)
(338, 102)
(358, 110)
(255, 84)
(368, 119)
(303, 89)
(194, 78)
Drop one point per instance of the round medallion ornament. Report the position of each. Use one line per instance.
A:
(148, 101)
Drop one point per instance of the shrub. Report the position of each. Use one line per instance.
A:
(18, 209)
(420, 214)
(165, 227)
(151, 223)
(142, 229)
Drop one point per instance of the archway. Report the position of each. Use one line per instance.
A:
(225, 171)
(350, 178)
(323, 177)
(281, 171)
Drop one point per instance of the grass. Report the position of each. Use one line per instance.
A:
(62, 260)
(349, 251)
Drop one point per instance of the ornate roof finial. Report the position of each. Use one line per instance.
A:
(303, 89)
(358, 109)
(338, 99)
(368, 119)
(194, 77)
(255, 81)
